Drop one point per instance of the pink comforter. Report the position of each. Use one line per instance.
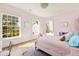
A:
(53, 44)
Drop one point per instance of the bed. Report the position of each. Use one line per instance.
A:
(53, 46)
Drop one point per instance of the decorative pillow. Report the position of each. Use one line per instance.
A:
(67, 36)
(63, 38)
(77, 33)
(74, 41)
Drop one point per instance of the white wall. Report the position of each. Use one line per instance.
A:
(26, 24)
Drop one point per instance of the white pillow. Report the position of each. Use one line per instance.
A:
(67, 35)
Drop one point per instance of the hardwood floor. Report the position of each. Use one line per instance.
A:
(23, 44)
(25, 49)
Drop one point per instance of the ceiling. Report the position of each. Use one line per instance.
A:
(52, 9)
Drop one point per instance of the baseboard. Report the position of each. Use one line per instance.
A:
(6, 48)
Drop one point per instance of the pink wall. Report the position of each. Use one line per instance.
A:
(71, 18)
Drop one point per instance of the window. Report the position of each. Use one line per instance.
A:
(49, 27)
(11, 26)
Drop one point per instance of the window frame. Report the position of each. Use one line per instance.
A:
(19, 18)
